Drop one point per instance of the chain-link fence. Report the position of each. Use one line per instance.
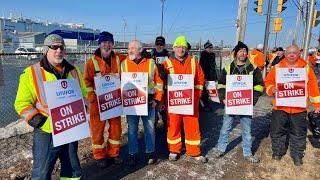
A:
(11, 66)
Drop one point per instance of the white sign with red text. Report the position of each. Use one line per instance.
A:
(239, 95)
(212, 91)
(291, 84)
(181, 94)
(134, 93)
(108, 90)
(67, 111)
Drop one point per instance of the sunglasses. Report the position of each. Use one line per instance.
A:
(159, 44)
(55, 47)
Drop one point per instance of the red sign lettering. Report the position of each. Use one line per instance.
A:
(180, 97)
(291, 89)
(239, 98)
(110, 100)
(133, 97)
(67, 116)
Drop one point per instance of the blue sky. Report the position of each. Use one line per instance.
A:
(196, 19)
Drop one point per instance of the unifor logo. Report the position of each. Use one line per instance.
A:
(180, 77)
(239, 78)
(291, 70)
(134, 75)
(64, 84)
(107, 78)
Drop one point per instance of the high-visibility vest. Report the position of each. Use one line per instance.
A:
(193, 70)
(151, 68)
(97, 71)
(258, 88)
(39, 75)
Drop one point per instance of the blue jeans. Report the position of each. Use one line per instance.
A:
(245, 122)
(149, 131)
(45, 157)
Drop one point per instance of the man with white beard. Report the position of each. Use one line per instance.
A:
(32, 106)
(136, 63)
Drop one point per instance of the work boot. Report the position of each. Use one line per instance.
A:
(201, 159)
(151, 158)
(276, 157)
(132, 160)
(115, 160)
(297, 161)
(173, 156)
(219, 154)
(102, 163)
(251, 159)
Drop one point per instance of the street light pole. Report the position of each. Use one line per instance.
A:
(162, 1)
(124, 32)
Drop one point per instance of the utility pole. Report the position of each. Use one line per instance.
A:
(221, 56)
(135, 33)
(266, 36)
(296, 31)
(241, 20)
(124, 32)
(162, 1)
(1, 35)
(307, 34)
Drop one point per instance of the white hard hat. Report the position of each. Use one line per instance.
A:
(260, 46)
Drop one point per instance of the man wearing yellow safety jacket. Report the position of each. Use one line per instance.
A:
(104, 61)
(240, 65)
(31, 105)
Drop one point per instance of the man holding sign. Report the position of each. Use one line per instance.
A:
(185, 84)
(239, 96)
(290, 82)
(101, 76)
(32, 105)
(142, 90)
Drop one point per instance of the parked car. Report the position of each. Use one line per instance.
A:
(28, 53)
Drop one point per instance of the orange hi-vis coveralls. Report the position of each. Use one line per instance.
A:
(312, 86)
(190, 122)
(257, 57)
(96, 66)
(155, 83)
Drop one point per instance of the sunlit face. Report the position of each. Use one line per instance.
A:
(292, 54)
(179, 51)
(280, 53)
(106, 47)
(159, 47)
(56, 53)
(242, 54)
(133, 51)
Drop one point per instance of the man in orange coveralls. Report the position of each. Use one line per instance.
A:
(289, 123)
(182, 63)
(103, 62)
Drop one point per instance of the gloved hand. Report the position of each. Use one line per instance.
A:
(37, 121)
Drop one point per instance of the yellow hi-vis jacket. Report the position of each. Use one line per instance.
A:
(31, 99)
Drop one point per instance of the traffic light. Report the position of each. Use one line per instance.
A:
(280, 6)
(277, 25)
(315, 21)
(259, 4)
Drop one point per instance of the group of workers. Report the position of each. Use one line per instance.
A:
(288, 125)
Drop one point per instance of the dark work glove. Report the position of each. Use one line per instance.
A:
(37, 121)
